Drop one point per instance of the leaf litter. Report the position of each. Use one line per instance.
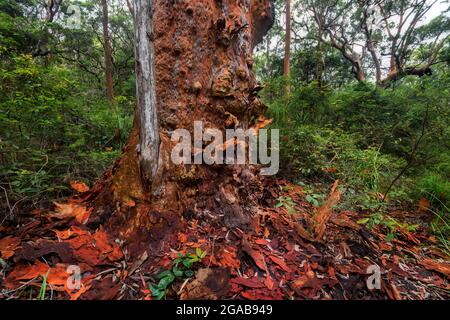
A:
(311, 253)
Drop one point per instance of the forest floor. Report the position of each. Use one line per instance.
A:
(293, 251)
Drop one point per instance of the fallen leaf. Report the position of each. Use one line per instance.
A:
(95, 249)
(269, 282)
(280, 262)
(8, 246)
(209, 284)
(257, 257)
(79, 186)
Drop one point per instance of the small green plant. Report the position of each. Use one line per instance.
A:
(41, 295)
(392, 225)
(286, 202)
(182, 268)
(314, 199)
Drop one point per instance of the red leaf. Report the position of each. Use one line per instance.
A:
(281, 263)
(254, 282)
(257, 257)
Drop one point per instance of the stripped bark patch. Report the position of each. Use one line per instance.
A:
(324, 213)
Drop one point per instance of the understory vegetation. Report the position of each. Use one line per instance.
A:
(389, 147)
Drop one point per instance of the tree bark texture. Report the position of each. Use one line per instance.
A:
(201, 71)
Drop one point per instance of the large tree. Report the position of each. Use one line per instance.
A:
(193, 62)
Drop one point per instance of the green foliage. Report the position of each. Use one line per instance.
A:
(436, 189)
(366, 135)
(53, 128)
(182, 268)
(43, 287)
(390, 224)
(287, 203)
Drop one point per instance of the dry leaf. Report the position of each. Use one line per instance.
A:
(79, 186)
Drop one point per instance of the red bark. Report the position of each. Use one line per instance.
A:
(203, 62)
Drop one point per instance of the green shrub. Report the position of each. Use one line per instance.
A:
(53, 127)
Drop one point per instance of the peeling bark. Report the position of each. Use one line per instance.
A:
(193, 63)
(148, 148)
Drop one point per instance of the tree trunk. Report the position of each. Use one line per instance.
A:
(193, 63)
(268, 62)
(108, 56)
(287, 50)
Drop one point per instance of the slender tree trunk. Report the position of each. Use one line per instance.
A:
(268, 63)
(287, 49)
(193, 63)
(320, 61)
(108, 56)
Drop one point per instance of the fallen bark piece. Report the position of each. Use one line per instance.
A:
(209, 284)
(254, 282)
(324, 212)
(56, 276)
(280, 262)
(95, 249)
(443, 268)
(70, 210)
(79, 186)
(257, 257)
(8, 247)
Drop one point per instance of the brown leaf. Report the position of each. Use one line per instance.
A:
(269, 282)
(84, 288)
(71, 232)
(228, 258)
(262, 123)
(262, 294)
(424, 205)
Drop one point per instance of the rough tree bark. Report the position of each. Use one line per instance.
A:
(108, 55)
(287, 49)
(202, 71)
